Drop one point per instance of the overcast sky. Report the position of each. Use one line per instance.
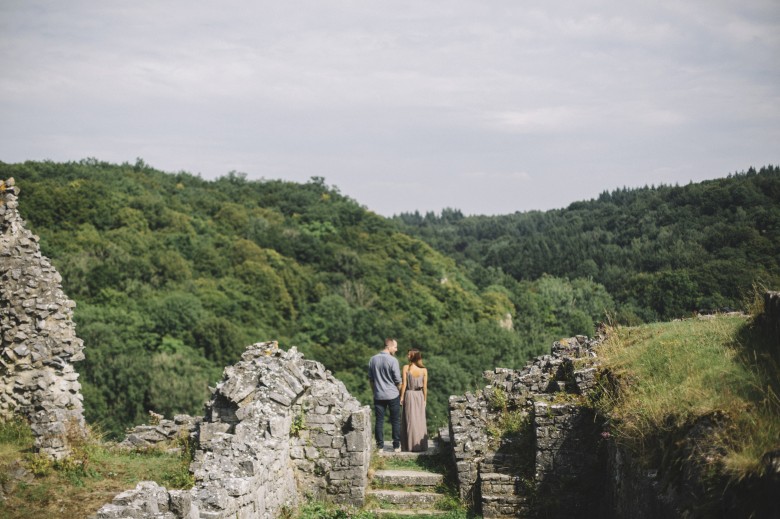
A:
(490, 107)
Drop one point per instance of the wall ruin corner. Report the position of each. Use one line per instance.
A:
(38, 341)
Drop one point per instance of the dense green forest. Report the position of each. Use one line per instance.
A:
(661, 252)
(174, 275)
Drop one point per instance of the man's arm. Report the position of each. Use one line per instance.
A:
(371, 376)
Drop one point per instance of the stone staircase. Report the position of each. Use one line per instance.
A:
(502, 490)
(404, 487)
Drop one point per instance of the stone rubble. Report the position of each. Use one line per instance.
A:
(162, 432)
(38, 339)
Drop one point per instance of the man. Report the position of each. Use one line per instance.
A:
(385, 376)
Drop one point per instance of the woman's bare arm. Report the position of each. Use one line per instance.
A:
(425, 385)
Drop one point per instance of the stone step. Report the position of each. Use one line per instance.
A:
(412, 478)
(388, 452)
(495, 484)
(416, 511)
(510, 499)
(404, 498)
(505, 506)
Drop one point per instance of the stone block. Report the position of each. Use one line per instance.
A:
(294, 384)
(357, 459)
(331, 453)
(236, 486)
(355, 441)
(345, 474)
(317, 419)
(209, 430)
(321, 440)
(279, 426)
(360, 419)
(180, 504)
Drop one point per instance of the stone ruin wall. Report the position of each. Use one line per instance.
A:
(38, 340)
(563, 462)
(771, 320)
(277, 428)
(538, 470)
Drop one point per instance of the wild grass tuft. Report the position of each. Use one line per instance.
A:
(664, 377)
(320, 510)
(80, 484)
(16, 432)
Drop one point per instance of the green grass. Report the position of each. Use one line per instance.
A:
(319, 510)
(431, 463)
(662, 378)
(79, 485)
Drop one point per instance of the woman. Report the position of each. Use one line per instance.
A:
(414, 395)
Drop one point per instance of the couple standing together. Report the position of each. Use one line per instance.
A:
(392, 388)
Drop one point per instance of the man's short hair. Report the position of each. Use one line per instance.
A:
(389, 341)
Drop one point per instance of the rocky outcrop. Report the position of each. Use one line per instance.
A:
(277, 427)
(38, 340)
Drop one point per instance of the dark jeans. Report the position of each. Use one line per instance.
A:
(395, 421)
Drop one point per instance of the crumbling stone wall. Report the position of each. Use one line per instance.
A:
(771, 320)
(38, 340)
(548, 466)
(278, 427)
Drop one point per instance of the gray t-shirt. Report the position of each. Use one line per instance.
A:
(384, 371)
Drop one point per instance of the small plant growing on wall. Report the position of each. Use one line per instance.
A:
(298, 424)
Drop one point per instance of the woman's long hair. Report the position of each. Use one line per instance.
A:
(415, 357)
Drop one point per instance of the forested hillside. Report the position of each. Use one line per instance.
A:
(661, 252)
(174, 275)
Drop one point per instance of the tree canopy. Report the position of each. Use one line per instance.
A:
(661, 252)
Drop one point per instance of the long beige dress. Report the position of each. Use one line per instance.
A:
(414, 428)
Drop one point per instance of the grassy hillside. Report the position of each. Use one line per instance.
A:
(697, 398)
(174, 275)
